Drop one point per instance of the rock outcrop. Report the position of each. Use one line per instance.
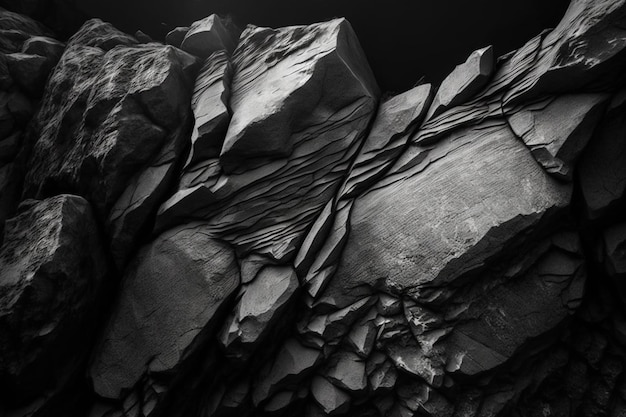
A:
(272, 237)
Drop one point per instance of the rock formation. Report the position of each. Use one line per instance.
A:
(240, 223)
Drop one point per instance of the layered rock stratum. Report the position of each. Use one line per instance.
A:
(239, 223)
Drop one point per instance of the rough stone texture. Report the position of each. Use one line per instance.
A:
(52, 269)
(99, 108)
(449, 253)
(556, 131)
(466, 80)
(301, 100)
(168, 305)
(207, 36)
(261, 305)
(210, 108)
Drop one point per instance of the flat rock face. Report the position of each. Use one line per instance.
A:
(101, 107)
(52, 268)
(168, 304)
(442, 218)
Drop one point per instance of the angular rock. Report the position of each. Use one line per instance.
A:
(446, 216)
(524, 308)
(169, 304)
(284, 80)
(209, 104)
(290, 366)
(556, 131)
(362, 337)
(320, 94)
(602, 168)
(209, 35)
(44, 46)
(347, 371)
(381, 372)
(260, 307)
(52, 269)
(116, 135)
(332, 400)
(397, 117)
(176, 36)
(464, 81)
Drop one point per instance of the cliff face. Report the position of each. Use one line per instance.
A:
(237, 223)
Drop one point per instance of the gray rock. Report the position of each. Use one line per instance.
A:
(436, 225)
(332, 400)
(29, 71)
(175, 36)
(464, 81)
(167, 307)
(116, 135)
(347, 371)
(44, 46)
(397, 117)
(290, 366)
(381, 373)
(52, 270)
(99, 34)
(556, 131)
(602, 168)
(284, 80)
(498, 323)
(261, 306)
(209, 35)
(209, 104)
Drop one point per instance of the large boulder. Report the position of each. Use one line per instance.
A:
(52, 270)
(112, 127)
(169, 304)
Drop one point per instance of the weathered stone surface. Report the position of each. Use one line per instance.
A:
(52, 268)
(347, 371)
(209, 35)
(443, 217)
(99, 34)
(168, 305)
(464, 81)
(261, 305)
(557, 130)
(516, 312)
(397, 117)
(315, 96)
(285, 80)
(100, 108)
(209, 103)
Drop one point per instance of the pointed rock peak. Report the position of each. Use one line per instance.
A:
(464, 81)
(208, 35)
(286, 80)
(176, 36)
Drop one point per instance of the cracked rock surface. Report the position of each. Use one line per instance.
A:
(239, 223)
